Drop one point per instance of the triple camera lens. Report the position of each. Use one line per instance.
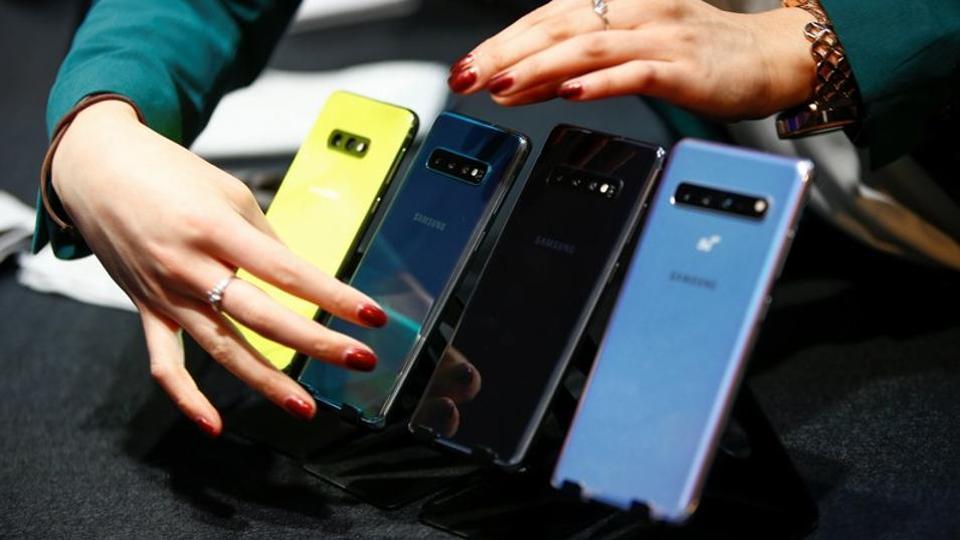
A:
(586, 182)
(461, 167)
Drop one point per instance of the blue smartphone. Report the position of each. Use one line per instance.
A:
(692, 300)
(414, 260)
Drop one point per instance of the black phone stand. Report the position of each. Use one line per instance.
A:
(390, 468)
(753, 491)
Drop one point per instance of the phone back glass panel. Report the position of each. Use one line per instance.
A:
(519, 329)
(415, 258)
(670, 363)
(328, 195)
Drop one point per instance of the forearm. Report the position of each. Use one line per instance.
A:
(174, 59)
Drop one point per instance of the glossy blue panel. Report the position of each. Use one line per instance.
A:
(671, 360)
(416, 256)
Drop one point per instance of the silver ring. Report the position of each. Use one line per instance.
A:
(215, 295)
(600, 8)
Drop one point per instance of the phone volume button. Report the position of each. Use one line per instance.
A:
(375, 206)
(613, 273)
(476, 246)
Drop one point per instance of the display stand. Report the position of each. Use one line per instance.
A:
(753, 491)
(389, 468)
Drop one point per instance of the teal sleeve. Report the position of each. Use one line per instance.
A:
(906, 59)
(174, 58)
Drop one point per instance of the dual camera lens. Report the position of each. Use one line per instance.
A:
(461, 167)
(349, 143)
(734, 203)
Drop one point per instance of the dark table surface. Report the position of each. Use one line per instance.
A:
(857, 365)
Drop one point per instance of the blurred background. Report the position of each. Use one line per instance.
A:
(858, 364)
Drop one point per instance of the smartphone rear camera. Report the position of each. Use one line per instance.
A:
(696, 196)
(461, 167)
(348, 143)
(584, 182)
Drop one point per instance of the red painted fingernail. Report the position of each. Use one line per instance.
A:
(206, 427)
(569, 91)
(360, 360)
(461, 80)
(299, 408)
(461, 63)
(500, 83)
(463, 374)
(372, 316)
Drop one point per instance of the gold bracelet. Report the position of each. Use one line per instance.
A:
(836, 102)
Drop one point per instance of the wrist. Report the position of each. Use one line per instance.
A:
(79, 138)
(790, 68)
(79, 145)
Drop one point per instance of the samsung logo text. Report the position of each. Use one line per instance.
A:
(555, 245)
(429, 222)
(695, 281)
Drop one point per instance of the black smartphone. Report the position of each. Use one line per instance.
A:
(497, 375)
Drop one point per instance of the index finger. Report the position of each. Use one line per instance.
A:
(249, 248)
(473, 71)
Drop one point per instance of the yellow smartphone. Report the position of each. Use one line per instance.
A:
(330, 194)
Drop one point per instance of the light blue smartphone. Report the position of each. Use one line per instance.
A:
(434, 223)
(669, 366)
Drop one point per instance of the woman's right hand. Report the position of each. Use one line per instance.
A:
(168, 226)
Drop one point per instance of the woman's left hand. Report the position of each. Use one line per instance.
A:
(721, 64)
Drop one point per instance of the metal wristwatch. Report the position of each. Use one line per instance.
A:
(836, 101)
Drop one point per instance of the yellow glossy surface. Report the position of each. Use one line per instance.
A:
(327, 197)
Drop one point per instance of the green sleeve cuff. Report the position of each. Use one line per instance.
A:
(46, 231)
(906, 59)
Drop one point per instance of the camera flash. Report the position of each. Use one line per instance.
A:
(759, 206)
(475, 172)
(361, 146)
(604, 188)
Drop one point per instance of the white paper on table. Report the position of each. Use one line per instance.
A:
(274, 114)
(84, 280)
(325, 13)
